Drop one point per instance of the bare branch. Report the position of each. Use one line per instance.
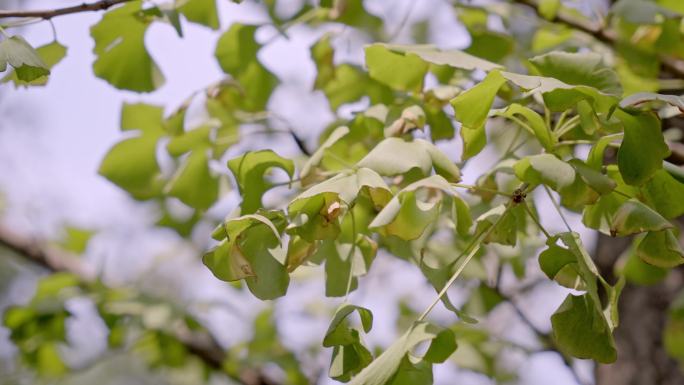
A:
(48, 14)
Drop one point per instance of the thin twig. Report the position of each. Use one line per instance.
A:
(475, 244)
(558, 209)
(47, 14)
(673, 65)
(536, 220)
(484, 189)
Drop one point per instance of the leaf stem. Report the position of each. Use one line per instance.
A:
(350, 256)
(558, 209)
(536, 220)
(484, 189)
(567, 126)
(475, 244)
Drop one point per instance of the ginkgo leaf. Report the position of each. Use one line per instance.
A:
(549, 8)
(27, 63)
(76, 239)
(50, 54)
(416, 154)
(545, 169)
(194, 184)
(599, 182)
(406, 215)
(663, 192)
(661, 248)
(581, 327)
(344, 83)
(586, 68)
(649, 99)
(339, 332)
(581, 331)
(535, 122)
(199, 139)
(132, 165)
(298, 252)
(412, 117)
(398, 71)
(147, 118)
(507, 228)
(635, 217)
(245, 252)
(201, 12)
(560, 265)
(122, 59)
(643, 147)
(249, 170)
(472, 107)
(452, 58)
(348, 360)
(317, 211)
(236, 53)
(385, 366)
(560, 96)
(308, 172)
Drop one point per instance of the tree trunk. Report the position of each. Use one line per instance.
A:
(642, 359)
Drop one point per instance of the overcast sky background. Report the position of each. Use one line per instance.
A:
(53, 138)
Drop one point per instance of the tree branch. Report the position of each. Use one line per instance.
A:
(48, 14)
(671, 64)
(202, 345)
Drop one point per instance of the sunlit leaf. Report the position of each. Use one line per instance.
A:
(27, 62)
(122, 59)
(50, 54)
(416, 154)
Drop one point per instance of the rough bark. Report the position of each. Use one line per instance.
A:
(642, 360)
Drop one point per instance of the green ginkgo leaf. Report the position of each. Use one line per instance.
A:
(317, 211)
(308, 172)
(534, 122)
(661, 249)
(581, 331)
(194, 183)
(635, 217)
(472, 107)
(545, 169)
(51, 54)
(398, 71)
(236, 53)
(409, 213)
(132, 165)
(338, 331)
(246, 251)
(643, 148)
(416, 154)
(385, 366)
(200, 11)
(586, 68)
(664, 193)
(249, 170)
(27, 63)
(122, 59)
